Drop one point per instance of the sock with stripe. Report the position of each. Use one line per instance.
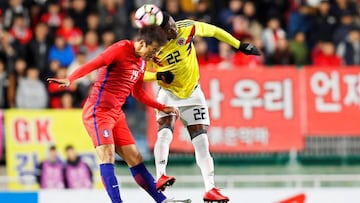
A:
(147, 182)
(110, 182)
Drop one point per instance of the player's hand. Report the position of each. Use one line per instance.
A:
(62, 82)
(171, 109)
(249, 49)
(166, 76)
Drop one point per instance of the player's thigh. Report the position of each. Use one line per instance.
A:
(99, 125)
(194, 115)
(197, 98)
(165, 97)
(121, 133)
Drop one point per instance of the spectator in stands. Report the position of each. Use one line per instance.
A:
(226, 54)
(271, 35)
(67, 101)
(53, 16)
(16, 74)
(203, 11)
(38, 50)
(107, 38)
(324, 55)
(56, 92)
(241, 28)
(49, 173)
(61, 51)
(249, 12)
(20, 30)
(65, 5)
(77, 173)
(174, 9)
(3, 81)
(299, 49)
(204, 14)
(35, 14)
(138, 3)
(300, 20)
(343, 6)
(188, 6)
(227, 14)
(78, 12)
(83, 84)
(346, 24)
(324, 23)
(10, 49)
(54, 67)
(204, 57)
(91, 45)
(349, 49)
(31, 92)
(72, 35)
(15, 7)
(273, 9)
(282, 54)
(93, 23)
(113, 15)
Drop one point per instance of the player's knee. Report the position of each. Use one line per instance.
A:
(166, 126)
(106, 153)
(165, 135)
(197, 133)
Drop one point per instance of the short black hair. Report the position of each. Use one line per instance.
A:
(69, 147)
(166, 18)
(52, 148)
(152, 33)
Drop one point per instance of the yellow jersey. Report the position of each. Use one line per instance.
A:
(179, 56)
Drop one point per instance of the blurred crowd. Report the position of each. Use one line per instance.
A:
(72, 173)
(51, 38)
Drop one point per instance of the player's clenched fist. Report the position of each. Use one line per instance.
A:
(62, 82)
(166, 76)
(248, 49)
(171, 109)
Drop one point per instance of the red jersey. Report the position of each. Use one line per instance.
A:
(120, 72)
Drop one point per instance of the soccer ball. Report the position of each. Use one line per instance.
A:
(148, 14)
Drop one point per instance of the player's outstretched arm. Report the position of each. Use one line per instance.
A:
(149, 76)
(208, 30)
(80, 72)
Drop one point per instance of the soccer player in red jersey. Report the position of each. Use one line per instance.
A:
(120, 72)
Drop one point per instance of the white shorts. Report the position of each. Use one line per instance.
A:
(193, 110)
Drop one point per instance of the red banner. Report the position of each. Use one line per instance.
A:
(250, 109)
(332, 101)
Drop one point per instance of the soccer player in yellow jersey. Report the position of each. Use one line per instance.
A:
(177, 72)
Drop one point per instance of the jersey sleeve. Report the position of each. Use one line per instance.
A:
(149, 74)
(140, 94)
(208, 30)
(83, 70)
(114, 53)
(107, 57)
